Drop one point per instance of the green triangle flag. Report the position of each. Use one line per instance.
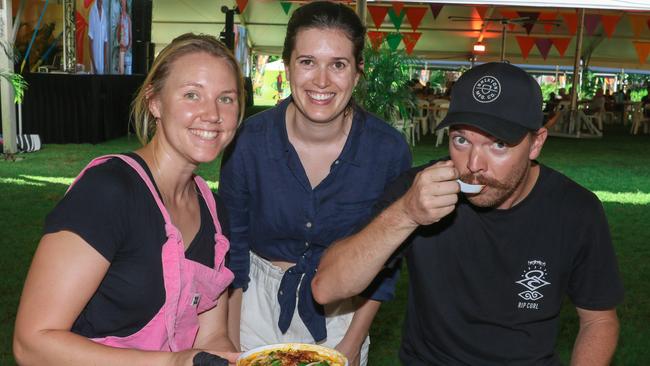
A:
(397, 20)
(285, 6)
(393, 40)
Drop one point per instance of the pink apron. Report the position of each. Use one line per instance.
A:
(190, 287)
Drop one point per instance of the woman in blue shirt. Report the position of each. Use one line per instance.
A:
(299, 177)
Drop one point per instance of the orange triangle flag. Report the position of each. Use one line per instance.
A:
(638, 23)
(525, 45)
(509, 14)
(481, 10)
(376, 38)
(609, 23)
(410, 39)
(415, 15)
(241, 4)
(642, 50)
(561, 44)
(378, 14)
(571, 20)
(550, 16)
(397, 6)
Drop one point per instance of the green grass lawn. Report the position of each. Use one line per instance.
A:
(616, 167)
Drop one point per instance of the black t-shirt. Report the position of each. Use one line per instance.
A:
(486, 285)
(112, 209)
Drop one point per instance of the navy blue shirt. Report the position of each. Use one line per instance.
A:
(275, 213)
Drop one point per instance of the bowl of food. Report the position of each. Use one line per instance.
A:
(292, 354)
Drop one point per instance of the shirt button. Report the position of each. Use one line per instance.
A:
(306, 244)
(308, 225)
(336, 162)
(281, 292)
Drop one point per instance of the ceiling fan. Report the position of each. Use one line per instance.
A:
(504, 23)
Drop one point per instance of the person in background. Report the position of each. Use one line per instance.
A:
(489, 268)
(98, 37)
(597, 103)
(124, 36)
(131, 265)
(645, 101)
(551, 103)
(300, 176)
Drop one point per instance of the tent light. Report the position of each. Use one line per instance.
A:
(479, 47)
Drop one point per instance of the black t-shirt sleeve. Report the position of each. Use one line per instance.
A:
(95, 208)
(595, 281)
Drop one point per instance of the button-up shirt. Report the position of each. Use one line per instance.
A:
(275, 212)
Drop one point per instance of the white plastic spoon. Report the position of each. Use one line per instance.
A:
(469, 188)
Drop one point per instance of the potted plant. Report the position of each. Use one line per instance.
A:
(385, 90)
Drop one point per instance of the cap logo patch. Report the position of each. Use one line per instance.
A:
(487, 89)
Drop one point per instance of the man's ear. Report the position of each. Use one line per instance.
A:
(539, 138)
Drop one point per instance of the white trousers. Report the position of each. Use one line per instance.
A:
(260, 313)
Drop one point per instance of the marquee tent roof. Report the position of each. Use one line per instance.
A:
(616, 32)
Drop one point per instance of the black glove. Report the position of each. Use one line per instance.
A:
(208, 359)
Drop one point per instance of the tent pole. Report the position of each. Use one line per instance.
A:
(503, 41)
(361, 11)
(6, 90)
(574, 123)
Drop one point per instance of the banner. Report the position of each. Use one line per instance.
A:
(393, 40)
(398, 6)
(638, 23)
(642, 50)
(591, 23)
(548, 18)
(241, 5)
(378, 14)
(509, 14)
(376, 38)
(525, 45)
(561, 44)
(609, 23)
(396, 19)
(544, 46)
(571, 20)
(286, 6)
(410, 39)
(528, 24)
(480, 11)
(415, 15)
(435, 9)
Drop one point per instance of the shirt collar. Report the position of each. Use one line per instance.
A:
(277, 139)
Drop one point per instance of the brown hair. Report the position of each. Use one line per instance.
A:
(185, 44)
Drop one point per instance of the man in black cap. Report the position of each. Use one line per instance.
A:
(488, 270)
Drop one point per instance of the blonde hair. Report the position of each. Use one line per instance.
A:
(143, 120)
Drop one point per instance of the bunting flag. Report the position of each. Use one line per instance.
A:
(532, 16)
(548, 17)
(571, 20)
(241, 5)
(642, 50)
(393, 40)
(561, 44)
(435, 9)
(398, 6)
(591, 23)
(81, 27)
(378, 14)
(609, 23)
(410, 39)
(480, 11)
(396, 19)
(544, 46)
(509, 14)
(638, 23)
(525, 45)
(286, 6)
(376, 38)
(415, 15)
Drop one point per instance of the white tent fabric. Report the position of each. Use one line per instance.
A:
(586, 4)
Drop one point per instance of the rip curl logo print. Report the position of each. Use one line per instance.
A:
(487, 89)
(533, 278)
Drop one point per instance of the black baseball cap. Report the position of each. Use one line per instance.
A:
(498, 98)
